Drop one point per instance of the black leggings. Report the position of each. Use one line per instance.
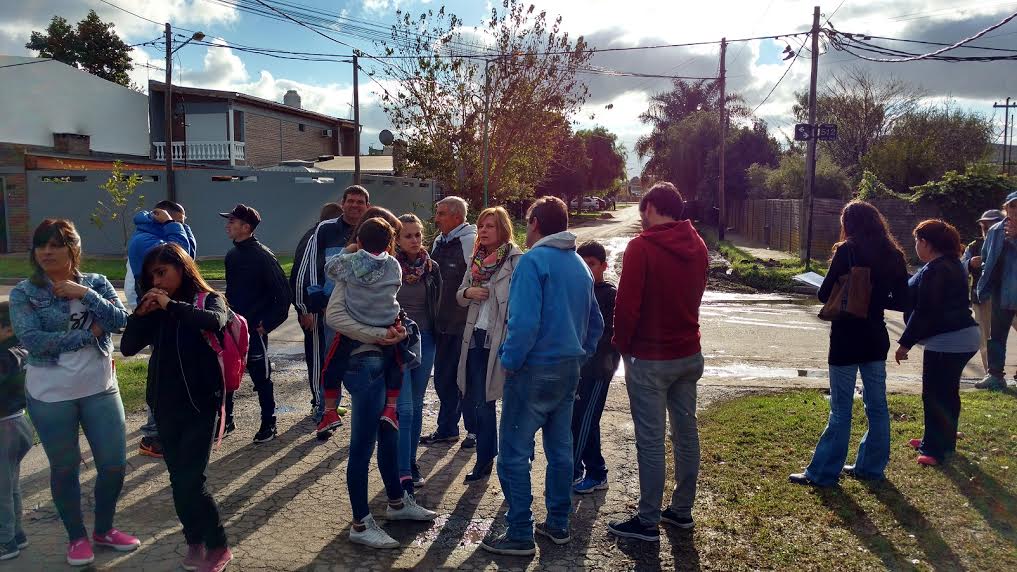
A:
(187, 443)
(941, 373)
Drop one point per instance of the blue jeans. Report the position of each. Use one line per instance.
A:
(1000, 320)
(410, 406)
(537, 397)
(102, 418)
(874, 449)
(15, 441)
(365, 382)
(476, 407)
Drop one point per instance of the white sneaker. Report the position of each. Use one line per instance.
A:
(410, 511)
(372, 535)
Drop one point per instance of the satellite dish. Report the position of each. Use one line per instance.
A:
(386, 137)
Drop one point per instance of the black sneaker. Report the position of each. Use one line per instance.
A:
(9, 550)
(470, 441)
(633, 528)
(266, 432)
(669, 516)
(436, 438)
(21, 539)
(557, 536)
(150, 447)
(231, 426)
(502, 544)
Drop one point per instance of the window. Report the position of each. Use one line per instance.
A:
(301, 127)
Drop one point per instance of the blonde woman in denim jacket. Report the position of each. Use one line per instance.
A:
(65, 320)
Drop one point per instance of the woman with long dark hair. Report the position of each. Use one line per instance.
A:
(941, 321)
(65, 319)
(859, 345)
(185, 389)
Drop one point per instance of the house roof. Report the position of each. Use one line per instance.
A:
(368, 164)
(154, 86)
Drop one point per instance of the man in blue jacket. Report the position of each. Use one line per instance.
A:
(998, 282)
(554, 324)
(167, 222)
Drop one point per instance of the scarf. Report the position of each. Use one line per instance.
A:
(417, 270)
(486, 263)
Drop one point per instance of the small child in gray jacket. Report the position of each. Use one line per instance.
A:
(372, 278)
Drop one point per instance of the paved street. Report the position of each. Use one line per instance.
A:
(285, 502)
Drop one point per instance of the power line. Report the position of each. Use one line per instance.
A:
(131, 13)
(774, 88)
(928, 43)
(929, 55)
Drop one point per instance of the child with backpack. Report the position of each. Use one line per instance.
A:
(186, 385)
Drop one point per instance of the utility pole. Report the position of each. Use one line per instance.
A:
(356, 120)
(1004, 157)
(487, 126)
(810, 156)
(167, 117)
(722, 214)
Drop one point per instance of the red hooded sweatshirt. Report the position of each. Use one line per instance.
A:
(656, 315)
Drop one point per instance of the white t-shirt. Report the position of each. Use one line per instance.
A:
(486, 306)
(77, 374)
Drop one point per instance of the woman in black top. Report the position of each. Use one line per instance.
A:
(185, 389)
(941, 321)
(859, 345)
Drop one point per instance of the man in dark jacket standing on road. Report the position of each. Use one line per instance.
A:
(656, 329)
(257, 289)
(313, 288)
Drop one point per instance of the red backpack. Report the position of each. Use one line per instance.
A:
(232, 351)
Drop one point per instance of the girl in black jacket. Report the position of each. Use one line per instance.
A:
(185, 389)
(941, 321)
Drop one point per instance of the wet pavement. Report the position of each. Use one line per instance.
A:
(285, 504)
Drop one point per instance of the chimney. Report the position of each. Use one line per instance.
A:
(72, 143)
(292, 99)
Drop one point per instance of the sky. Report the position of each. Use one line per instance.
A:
(754, 67)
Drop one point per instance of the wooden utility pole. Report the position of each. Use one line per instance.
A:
(356, 120)
(721, 195)
(167, 117)
(487, 127)
(810, 155)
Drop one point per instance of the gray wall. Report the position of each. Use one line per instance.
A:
(288, 207)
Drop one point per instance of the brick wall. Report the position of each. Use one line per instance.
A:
(269, 140)
(16, 205)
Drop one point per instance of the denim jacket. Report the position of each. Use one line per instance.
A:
(41, 319)
(999, 268)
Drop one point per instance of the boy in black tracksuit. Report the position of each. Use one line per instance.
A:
(258, 290)
(594, 380)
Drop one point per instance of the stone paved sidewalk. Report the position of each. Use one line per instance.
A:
(285, 503)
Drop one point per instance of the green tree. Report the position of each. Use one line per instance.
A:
(607, 159)
(121, 203)
(529, 81)
(787, 180)
(93, 46)
(568, 175)
(864, 109)
(927, 143)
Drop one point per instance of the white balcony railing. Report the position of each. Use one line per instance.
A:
(202, 150)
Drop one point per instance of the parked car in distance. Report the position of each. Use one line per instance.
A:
(589, 203)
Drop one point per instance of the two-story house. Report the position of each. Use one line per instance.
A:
(212, 127)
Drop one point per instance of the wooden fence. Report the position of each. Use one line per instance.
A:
(777, 222)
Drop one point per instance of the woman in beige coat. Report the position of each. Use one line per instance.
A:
(485, 290)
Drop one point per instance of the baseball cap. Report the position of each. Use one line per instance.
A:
(1010, 198)
(244, 213)
(992, 215)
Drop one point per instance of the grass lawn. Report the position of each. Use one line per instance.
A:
(768, 275)
(959, 516)
(115, 268)
(132, 374)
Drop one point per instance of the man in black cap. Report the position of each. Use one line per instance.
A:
(257, 289)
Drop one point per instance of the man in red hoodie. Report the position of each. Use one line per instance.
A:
(656, 329)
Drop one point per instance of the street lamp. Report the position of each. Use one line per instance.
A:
(171, 190)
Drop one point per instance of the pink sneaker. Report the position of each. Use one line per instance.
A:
(195, 557)
(79, 552)
(927, 460)
(217, 560)
(117, 541)
(915, 443)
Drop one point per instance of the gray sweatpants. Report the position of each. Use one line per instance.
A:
(656, 389)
